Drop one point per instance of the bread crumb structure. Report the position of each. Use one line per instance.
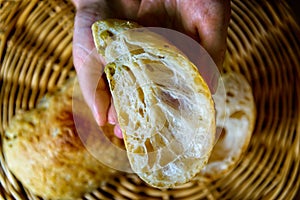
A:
(164, 107)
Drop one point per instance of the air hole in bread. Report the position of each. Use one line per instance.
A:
(137, 125)
(139, 150)
(244, 103)
(111, 67)
(141, 112)
(158, 140)
(149, 146)
(137, 51)
(134, 49)
(149, 67)
(105, 34)
(141, 95)
(156, 69)
(109, 33)
(125, 68)
(129, 74)
(168, 98)
(222, 134)
(237, 115)
(230, 94)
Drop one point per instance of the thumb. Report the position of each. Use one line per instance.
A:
(89, 68)
(94, 88)
(112, 119)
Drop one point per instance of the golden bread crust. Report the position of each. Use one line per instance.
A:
(43, 150)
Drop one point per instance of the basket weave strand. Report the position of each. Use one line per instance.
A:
(263, 45)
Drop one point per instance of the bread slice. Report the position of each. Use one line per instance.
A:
(44, 151)
(164, 107)
(239, 114)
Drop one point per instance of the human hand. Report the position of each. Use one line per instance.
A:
(204, 20)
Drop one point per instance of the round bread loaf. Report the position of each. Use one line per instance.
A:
(164, 107)
(239, 119)
(43, 150)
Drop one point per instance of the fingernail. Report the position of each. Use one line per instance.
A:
(97, 117)
(112, 116)
(118, 132)
(111, 120)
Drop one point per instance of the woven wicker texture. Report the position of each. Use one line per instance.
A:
(263, 44)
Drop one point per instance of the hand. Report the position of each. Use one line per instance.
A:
(204, 20)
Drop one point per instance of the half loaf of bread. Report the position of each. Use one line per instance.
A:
(164, 107)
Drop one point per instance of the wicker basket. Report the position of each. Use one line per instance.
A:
(263, 44)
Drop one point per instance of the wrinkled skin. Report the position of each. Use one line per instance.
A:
(204, 20)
